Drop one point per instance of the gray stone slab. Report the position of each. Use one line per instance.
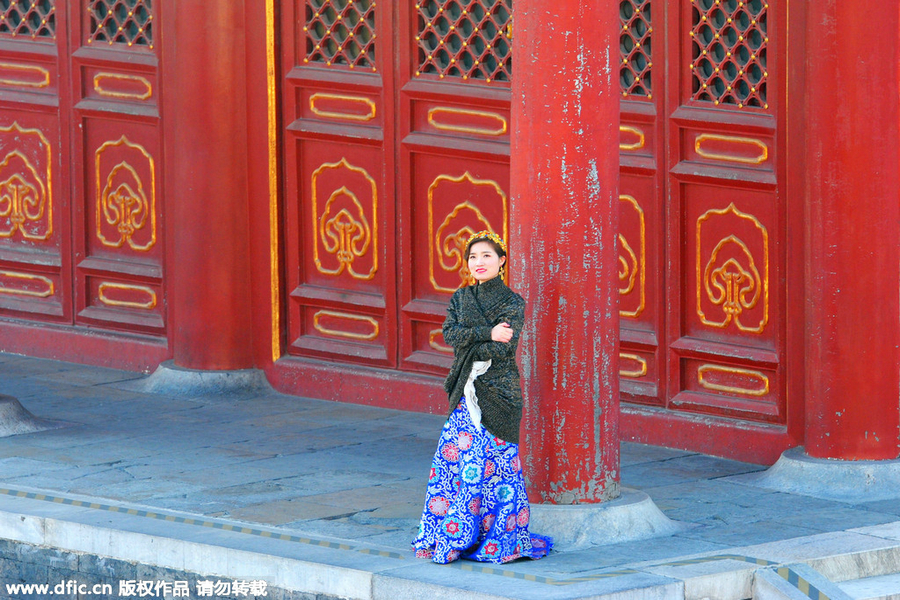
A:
(756, 532)
(632, 453)
(646, 476)
(883, 587)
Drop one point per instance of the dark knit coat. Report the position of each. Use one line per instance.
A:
(473, 312)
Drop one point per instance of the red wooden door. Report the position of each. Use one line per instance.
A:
(80, 206)
(396, 148)
(706, 255)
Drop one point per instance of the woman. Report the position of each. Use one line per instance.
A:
(476, 506)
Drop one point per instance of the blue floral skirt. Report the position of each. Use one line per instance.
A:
(476, 506)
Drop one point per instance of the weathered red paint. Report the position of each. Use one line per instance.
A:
(208, 186)
(853, 232)
(564, 224)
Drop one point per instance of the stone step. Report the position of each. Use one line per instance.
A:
(883, 587)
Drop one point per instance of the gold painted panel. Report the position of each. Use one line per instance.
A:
(634, 373)
(730, 379)
(440, 347)
(732, 278)
(634, 136)
(345, 225)
(328, 322)
(341, 106)
(26, 194)
(448, 238)
(126, 207)
(460, 120)
(632, 265)
(731, 148)
(27, 76)
(123, 87)
(126, 296)
(25, 284)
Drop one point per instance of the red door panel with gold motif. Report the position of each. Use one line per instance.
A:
(703, 153)
(339, 209)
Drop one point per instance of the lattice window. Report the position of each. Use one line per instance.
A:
(28, 18)
(729, 52)
(340, 32)
(469, 39)
(634, 44)
(128, 22)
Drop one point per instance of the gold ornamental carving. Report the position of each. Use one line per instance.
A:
(758, 148)
(341, 227)
(447, 241)
(27, 76)
(109, 299)
(632, 264)
(730, 278)
(344, 101)
(126, 210)
(705, 380)
(142, 88)
(434, 343)
(26, 197)
(347, 318)
(26, 284)
(471, 126)
(637, 373)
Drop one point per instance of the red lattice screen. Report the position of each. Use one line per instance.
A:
(340, 33)
(729, 43)
(128, 22)
(28, 18)
(468, 39)
(634, 44)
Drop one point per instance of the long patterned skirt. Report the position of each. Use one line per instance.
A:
(476, 506)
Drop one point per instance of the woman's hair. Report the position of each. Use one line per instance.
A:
(491, 238)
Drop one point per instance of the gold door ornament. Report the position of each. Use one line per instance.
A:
(124, 206)
(26, 197)
(342, 228)
(730, 278)
(447, 242)
(632, 265)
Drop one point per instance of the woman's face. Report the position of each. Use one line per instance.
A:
(484, 263)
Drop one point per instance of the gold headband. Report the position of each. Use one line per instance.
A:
(487, 235)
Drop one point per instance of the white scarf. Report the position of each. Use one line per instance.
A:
(478, 368)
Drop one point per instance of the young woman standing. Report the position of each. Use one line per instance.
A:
(476, 506)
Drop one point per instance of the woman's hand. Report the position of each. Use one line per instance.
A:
(502, 332)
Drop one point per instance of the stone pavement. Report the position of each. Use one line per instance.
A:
(322, 498)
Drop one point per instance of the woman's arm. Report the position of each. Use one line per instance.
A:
(515, 316)
(457, 334)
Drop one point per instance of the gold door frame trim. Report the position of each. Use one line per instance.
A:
(272, 136)
(374, 227)
(46, 143)
(100, 203)
(345, 334)
(703, 137)
(16, 275)
(339, 115)
(434, 241)
(98, 86)
(633, 374)
(432, 341)
(642, 263)
(107, 285)
(704, 369)
(500, 130)
(28, 68)
(701, 278)
(638, 144)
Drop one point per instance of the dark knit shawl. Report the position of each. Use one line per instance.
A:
(473, 312)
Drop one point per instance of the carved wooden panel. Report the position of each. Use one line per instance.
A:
(339, 212)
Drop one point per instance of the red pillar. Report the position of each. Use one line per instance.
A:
(853, 232)
(207, 185)
(564, 172)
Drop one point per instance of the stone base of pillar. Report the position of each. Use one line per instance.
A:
(16, 419)
(172, 379)
(841, 480)
(632, 516)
